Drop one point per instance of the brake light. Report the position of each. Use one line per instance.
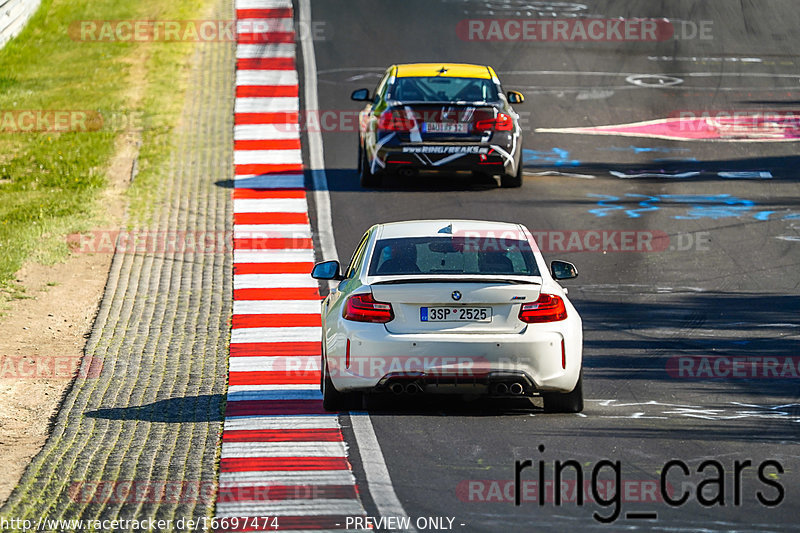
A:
(364, 308)
(548, 308)
(392, 121)
(502, 122)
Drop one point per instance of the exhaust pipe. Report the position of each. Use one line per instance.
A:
(413, 388)
(501, 388)
(516, 389)
(396, 388)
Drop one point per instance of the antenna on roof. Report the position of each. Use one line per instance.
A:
(447, 229)
(442, 70)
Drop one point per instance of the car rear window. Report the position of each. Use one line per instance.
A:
(443, 89)
(452, 255)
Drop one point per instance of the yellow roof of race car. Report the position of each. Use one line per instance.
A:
(454, 70)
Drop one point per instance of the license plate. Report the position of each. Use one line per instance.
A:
(445, 127)
(455, 314)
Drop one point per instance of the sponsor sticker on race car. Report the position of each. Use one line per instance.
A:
(434, 149)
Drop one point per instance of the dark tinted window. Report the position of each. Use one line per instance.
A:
(452, 255)
(443, 89)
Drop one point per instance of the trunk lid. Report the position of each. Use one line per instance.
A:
(409, 297)
(444, 122)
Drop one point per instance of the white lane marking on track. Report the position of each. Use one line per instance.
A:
(645, 174)
(557, 173)
(270, 307)
(379, 484)
(694, 59)
(745, 175)
(731, 411)
(653, 80)
(248, 335)
(627, 74)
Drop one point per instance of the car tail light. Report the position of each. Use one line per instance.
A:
(502, 122)
(548, 308)
(394, 121)
(364, 308)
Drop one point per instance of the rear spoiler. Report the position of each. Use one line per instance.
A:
(534, 280)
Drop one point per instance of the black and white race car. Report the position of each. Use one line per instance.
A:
(439, 117)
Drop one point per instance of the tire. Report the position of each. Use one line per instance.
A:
(332, 399)
(512, 182)
(366, 177)
(570, 402)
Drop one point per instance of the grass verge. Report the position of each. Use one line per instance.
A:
(51, 181)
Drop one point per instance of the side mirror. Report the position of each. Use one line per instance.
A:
(327, 270)
(360, 95)
(515, 97)
(563, 270)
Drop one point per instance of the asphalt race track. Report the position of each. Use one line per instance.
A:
(721, 279)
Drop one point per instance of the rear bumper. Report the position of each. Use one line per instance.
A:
(500, 156)
(457, 363)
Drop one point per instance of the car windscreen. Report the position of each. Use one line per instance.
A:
(453, 255)
(443, 89)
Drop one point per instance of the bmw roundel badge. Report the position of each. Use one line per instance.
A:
(456, 295)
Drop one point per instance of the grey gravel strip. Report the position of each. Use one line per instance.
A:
(153, 415)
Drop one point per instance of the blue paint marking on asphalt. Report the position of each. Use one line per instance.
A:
(605, 209)
(555, 157)
(646, 205)
(645, 149)
(713, 207)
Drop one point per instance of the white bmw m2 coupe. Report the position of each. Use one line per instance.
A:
(450, 306)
